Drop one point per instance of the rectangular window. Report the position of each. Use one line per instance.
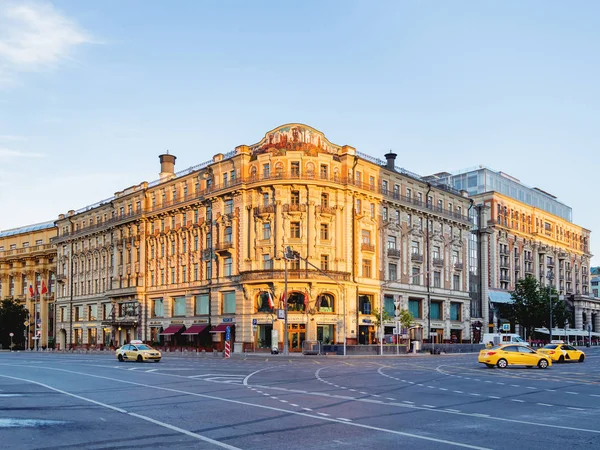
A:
(173, 279)
(366, 268)
(358, 206)
(323, 172)
(295, 230)
(384, 214)
(295, 198)
(384, 187)
(414, 306)
(366, 236)
(265, 199)
(227, 266)
(455, 311)
(202, 305)
(415, 248)
(184, 274)
(456, 282)
(93, 312)
(324, 262)
(196, 272)
(228, 234)
(208, 270)
(266, 170)
(324, 231)
(437, 279)
(435, 312)
(372, 208)
(267, 230)
(295, 169)
(416, 276)
(158, 309)
(228, 206)
(392, 272)
(392, 242)
(267, 262)
(364, 303)
(229, 302)
(178, 306)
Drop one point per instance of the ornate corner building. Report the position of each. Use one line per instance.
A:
(527, 232)
(180, 259)
(27, 274)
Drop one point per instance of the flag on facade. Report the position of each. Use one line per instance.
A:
(305, 301)
(44, 290)
(282, 299)
(271, 302)
(31, 290)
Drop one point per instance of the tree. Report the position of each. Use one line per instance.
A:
(406, 318)
(531, 306)
(12, 320)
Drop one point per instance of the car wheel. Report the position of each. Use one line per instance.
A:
(502, 363)
(139, 358)
(120, 358)
(581, 358)
(543, 364)
(490, 366)
(561, 359)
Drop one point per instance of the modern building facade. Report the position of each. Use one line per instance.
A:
(27, 274)
(526, 231)
(180, 259)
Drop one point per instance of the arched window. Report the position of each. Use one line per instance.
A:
(298, 301)
(325, 303)
(265, 302)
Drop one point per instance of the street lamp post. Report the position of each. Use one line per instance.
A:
(550, 277)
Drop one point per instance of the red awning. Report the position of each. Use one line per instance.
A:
(222, 328)
(172, 329)
(197, 328)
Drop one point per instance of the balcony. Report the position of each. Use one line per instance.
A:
(438, 262)
(458, 266)
(504, 263)
(416, 257)
(367, 247)
(328, 210)
(206, 254)
(271, 274)
(294, 208)
(224, 246)
(505, 278)
(393, 253)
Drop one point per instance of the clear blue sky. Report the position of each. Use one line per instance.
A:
(92, 92)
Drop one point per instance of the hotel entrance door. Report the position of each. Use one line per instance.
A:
(296, 336)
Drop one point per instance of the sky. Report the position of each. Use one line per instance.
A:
(92, 92)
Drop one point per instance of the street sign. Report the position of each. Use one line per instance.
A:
(39, 322)
(26, 324)
(227, 333)
(254, 321)
(396, 313)
(396, 303)
(281, 313)
(506, 327)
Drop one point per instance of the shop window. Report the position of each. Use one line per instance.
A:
(229, 302)
(414, 306)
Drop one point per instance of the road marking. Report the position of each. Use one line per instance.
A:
(594, 395)
(458, 392)
(11, 395)
(572, 393)
(324, 414)
(364, 393)
(307, 409)
(517, 400)
(443, 389)
(344, 419)
(283, 401)
(515, 385)
(407, 402)
(543, 404)
(139, 416)
(390, 398)
(452, 410)
(293, 404)
(428, 406)
(576, 409)
(493, 396)
(480, 415)
(475, 394)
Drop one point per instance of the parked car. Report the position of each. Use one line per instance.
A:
(561, 352)
(137, 351)
(513, 355)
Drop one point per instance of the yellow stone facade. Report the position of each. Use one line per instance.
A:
(203, 249)
(28, 258)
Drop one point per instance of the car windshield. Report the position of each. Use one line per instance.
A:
(550, 346)
(143, 347)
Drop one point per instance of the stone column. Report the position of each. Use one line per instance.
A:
(278, 219)
(339, 240)
(578, 317)
(310, 230)
(596, 321)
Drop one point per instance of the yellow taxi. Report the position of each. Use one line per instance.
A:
(513, 355)
(137, 351)
(561, 352)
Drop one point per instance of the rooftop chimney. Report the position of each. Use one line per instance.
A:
(167, 166)
(391, 160)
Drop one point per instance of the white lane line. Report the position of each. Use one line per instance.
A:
(517, 400)
(594, 395)
(443, 389)
(293, 404)
(375, 395)
(550, 390)
(139, 416)
(428, 406)
(364, 393)
(572, 393)
(287, 411)
(431, 387)
(324, 414)
(452, 410)
(458, 392)
(480, 415)
(529, 387)
(11, 395)
(407, 402)
(515, 385)
(475, 395)
(390, 398)
(494, 396)
(307, 409)
(543, 404)
(576, 409)
(283, 401)
(344, 419)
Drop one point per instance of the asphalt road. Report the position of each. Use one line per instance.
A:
(85, 401)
